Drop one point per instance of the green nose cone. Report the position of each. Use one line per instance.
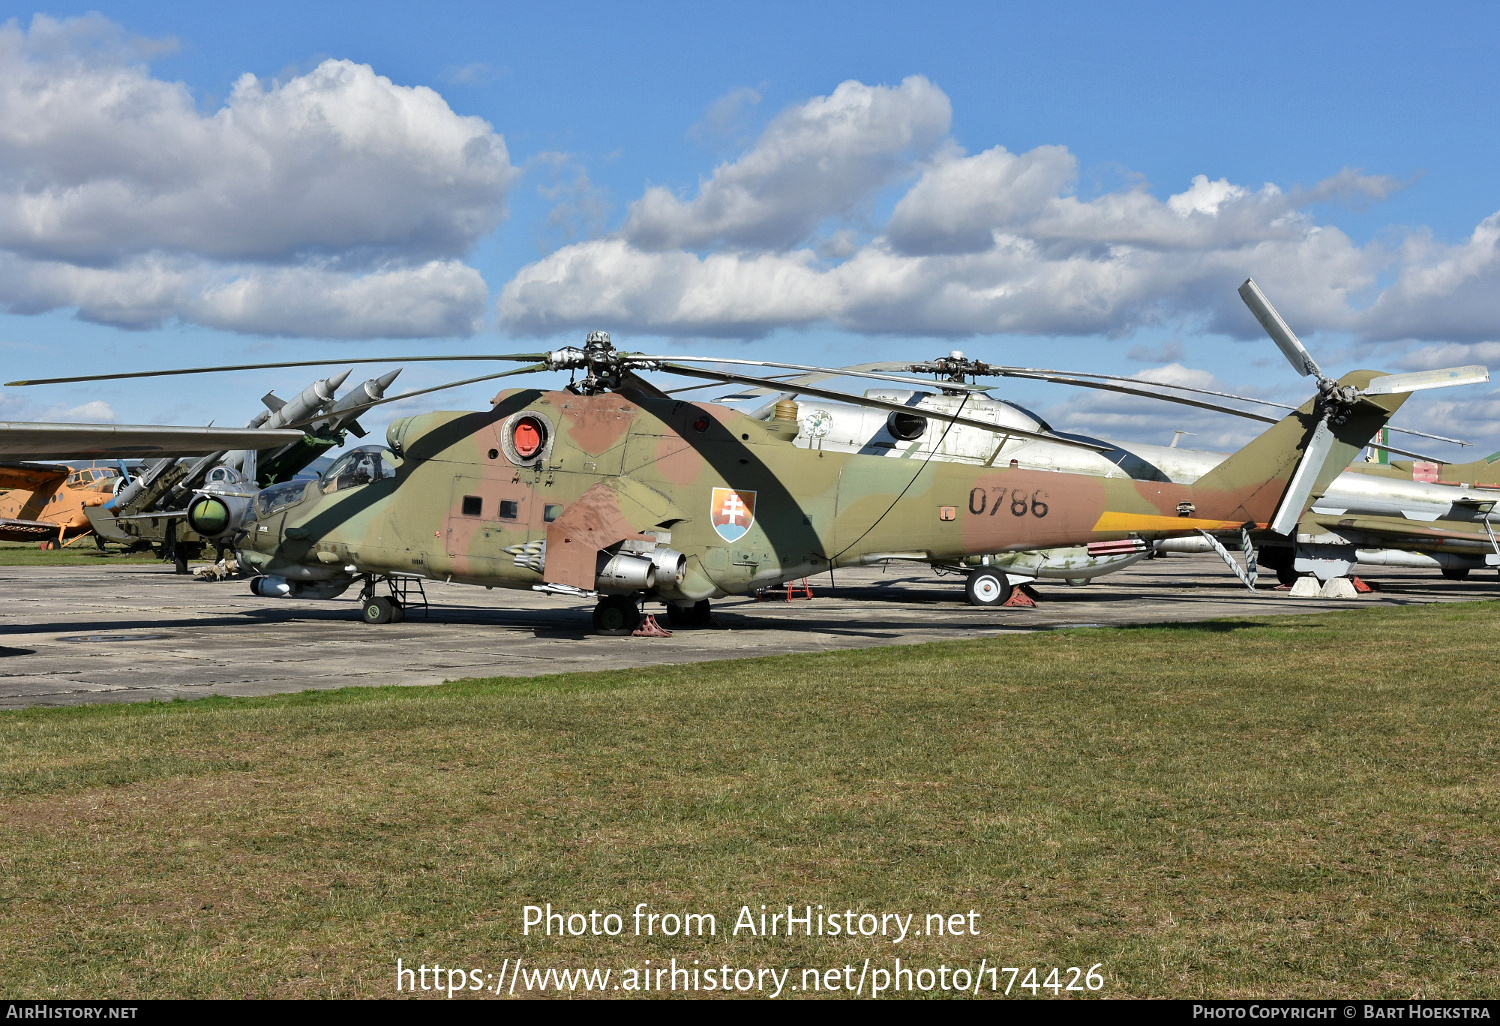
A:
(208, 516)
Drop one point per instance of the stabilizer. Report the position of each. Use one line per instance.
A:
(1272, 480)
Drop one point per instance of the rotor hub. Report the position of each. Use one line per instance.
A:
(601, 363)
(955, 368)
(1335, 402)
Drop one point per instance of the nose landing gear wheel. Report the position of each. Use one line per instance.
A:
(616, 616)
(380, 610)
(1455, 573)
(987, 588)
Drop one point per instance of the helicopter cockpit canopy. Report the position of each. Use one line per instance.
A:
(359, 467)
(277, 497)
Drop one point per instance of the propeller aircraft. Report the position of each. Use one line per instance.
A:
(48, 503)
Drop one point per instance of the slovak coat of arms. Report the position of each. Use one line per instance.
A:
(731, 512)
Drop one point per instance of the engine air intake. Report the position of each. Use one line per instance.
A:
(528, 435)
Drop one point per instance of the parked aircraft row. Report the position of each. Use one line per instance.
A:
(615, 490)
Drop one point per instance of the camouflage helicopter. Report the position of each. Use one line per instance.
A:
(1385, 498)
(613, 490)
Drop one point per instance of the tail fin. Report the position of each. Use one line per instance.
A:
(1484, 473)
(1272, 480)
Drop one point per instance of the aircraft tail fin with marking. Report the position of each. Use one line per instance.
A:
(1272, 480)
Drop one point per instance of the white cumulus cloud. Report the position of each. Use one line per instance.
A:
(120, 197)
(1442, 291)
(816, 160)
(989, 243)
(15, 406)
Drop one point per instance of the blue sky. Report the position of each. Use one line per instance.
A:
(797, 181)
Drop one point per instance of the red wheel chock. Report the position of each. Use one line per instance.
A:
(1022, 595)
(649, 628)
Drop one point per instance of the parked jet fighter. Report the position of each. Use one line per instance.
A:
(179, 506)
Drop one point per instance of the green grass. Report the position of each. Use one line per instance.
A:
(1297, 806)
(79, 553)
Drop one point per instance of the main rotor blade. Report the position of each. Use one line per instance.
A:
(711, 384)
(435, 388)
(1286, 340)
(1181, 400)
(1391, 384)
(1249, 399)
(881, 404)
(833, 372)
(1004, 371)
(273, 366)
(1108, 386)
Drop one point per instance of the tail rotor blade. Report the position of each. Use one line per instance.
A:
(1286, 340)
(1391, 384)
(1303, 478)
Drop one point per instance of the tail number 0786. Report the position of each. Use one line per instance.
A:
(994, 500)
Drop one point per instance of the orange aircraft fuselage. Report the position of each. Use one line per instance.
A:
(46, 502)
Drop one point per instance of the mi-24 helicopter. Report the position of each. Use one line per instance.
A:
(613, 490)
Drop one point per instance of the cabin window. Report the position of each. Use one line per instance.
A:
(552, 512)
(510, 509)
(473, 505)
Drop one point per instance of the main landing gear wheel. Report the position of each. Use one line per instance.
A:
(381, 610)
(987, 588)
(1455, 573)
(695, 615)
(616, 616)
(1286, 575)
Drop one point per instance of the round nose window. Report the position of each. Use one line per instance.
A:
(527, 436)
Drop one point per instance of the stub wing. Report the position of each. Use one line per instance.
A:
(33, 441)
(621, 509)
